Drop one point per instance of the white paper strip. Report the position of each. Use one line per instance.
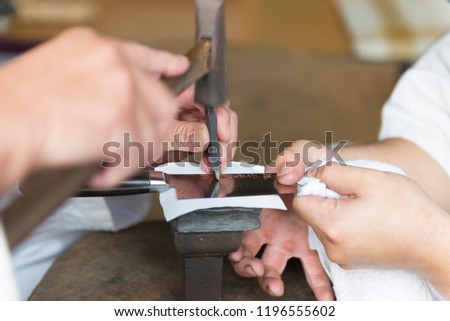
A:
(174, 207)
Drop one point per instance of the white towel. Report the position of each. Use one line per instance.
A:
(366, 284)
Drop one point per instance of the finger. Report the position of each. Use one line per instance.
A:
(131, 160)
(271, 282)
(274, 260)
(192, 115)
(227, 123)
(155, 61)
(270, 169)
(155, 106)
(186, 98)
(227, 186)
(245, 263)
(292, 162)
(233, 143)
(289, 167)
(316, 277)
(252, 241)
(109, 177)
(168, 157)
(237, 255)
(204, 163)
(312, 152)
(348, 180)
(276, 257)
(249, 267)
(154, 111)
(223, 124)
(188, 136)
(315, 210)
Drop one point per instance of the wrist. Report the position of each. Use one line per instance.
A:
(434, 258)
(17, 151)
(354, 151)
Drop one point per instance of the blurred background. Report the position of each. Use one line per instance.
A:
(297, 68)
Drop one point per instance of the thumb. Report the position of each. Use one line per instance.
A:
(315, 210)
(153, 60)
(188, 136)
(345, 180)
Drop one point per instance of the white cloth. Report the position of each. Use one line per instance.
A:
(174, 207)
(72, 221)
(8, 287)
(366, 284)
(419, 108)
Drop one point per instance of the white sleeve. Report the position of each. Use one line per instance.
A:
(8, 289)
(34, 256)
(419, 108)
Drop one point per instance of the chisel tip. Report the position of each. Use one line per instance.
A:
(217, 173)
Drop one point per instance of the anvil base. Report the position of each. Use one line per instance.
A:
(203, 238)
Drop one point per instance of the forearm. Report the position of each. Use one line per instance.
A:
(417, 164)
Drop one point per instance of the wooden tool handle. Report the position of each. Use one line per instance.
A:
(48, 189)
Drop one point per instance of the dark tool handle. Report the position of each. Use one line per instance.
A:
(200, 65)
(146, 182)
(133, 186)
(47, 189)
(212, 90)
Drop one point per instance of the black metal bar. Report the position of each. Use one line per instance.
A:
(211, 91)
(202, 278)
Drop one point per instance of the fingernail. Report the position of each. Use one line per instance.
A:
(182, 57)
(249, 270)
(272, 293)
(311, 172)
(99, 180)
(285, 171)
(269, 291)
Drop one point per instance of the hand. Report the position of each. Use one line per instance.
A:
(383, 219)
(188, 132)
(285, 236)
(291, 163)
(65, 99)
